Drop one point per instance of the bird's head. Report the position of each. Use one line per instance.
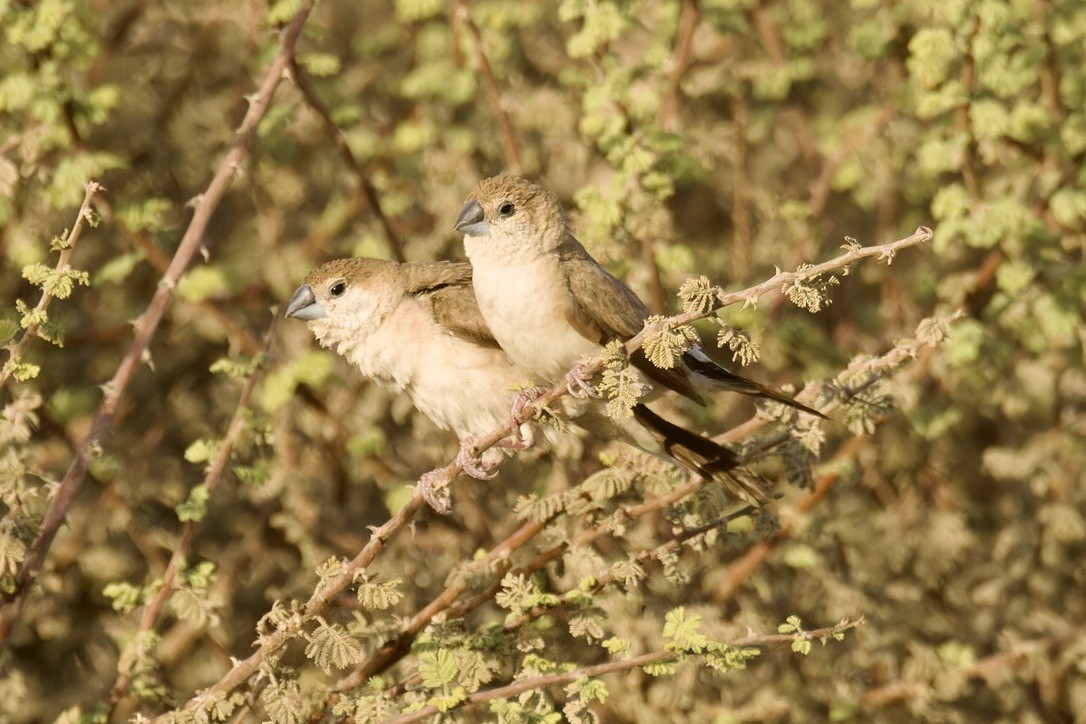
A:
(510, 210)
(345, 299)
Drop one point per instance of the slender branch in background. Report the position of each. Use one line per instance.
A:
(587, 537)
(968, 78)
(633, 662)
(188, 533)
(658, 297)
(986, 668)
(236, 332)
(742, 569)
(867, 371)
(366, 187)
(822, 186)
(493, 94)
(680, 61)
(148, 323)
(607, 576)
(398, 647)
(742, 248)
(323, 596)
(16, 350)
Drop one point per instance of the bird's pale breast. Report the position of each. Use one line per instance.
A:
(526, 305)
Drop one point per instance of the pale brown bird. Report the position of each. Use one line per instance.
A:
(416, 328)
(550, 304)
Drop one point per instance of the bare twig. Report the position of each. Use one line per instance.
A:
(493, 94)
(188, 534)
(237, 333)
(743, 251)
(148, 324)
(16, 350)
(365, 186)
(680, 62)
(633, 662)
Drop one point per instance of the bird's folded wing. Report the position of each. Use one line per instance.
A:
(427, 276)
(447, 286)
(604, 309)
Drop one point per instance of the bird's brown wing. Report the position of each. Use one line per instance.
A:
(427, 276)
(604, 309)
(447, 286)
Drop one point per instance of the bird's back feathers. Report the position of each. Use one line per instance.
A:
(603, 309)
(446, 286)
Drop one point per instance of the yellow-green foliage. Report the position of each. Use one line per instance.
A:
(699, 146)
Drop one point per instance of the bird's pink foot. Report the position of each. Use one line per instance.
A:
(521, 400)
(578, 385)
(471, 464)
(434, 487)
(517, 441)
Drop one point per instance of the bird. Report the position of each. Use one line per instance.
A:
(416, 328)
(550, 304)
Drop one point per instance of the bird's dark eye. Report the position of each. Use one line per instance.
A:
(506, 210)
(338, 288)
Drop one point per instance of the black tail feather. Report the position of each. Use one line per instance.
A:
(699, 454)
(736, 383)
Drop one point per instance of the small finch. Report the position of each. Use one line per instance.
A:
(550, 304)
(416, 328)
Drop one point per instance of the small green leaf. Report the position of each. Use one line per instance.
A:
(195, 508)
(203, 282)
(437, 668)
(118, 268)
(321, 65)
(200, 451)
(8, 329)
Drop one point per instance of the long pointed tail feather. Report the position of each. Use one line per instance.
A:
(700, 454)
(725, 380)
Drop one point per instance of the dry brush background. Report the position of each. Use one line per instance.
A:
(236, 472)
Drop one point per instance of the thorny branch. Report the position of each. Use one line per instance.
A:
(348, 574)
(148, 323)
(236, 332)
(680, 62)
(493, 94)
(633, 662)
(188, 534)
(16, 350)
(301, 79)
(317, 603)
(498, 558)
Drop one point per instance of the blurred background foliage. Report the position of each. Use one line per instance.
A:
(715, 137)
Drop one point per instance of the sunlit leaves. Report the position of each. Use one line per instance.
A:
(331, 647)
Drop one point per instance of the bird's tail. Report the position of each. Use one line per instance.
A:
(723, 379)
(700, 454)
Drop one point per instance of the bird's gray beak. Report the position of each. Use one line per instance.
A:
(471, 220)
(303, 305)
